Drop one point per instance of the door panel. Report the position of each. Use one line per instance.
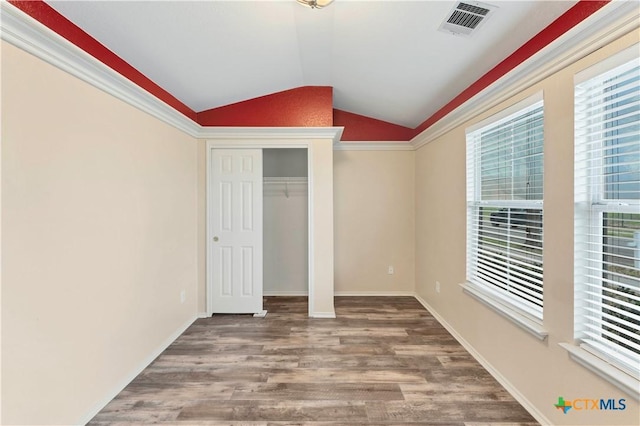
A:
(236, 231)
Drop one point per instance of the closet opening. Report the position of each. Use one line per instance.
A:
(285, 223)
(242, 152)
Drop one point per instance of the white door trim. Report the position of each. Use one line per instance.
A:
(267, 141)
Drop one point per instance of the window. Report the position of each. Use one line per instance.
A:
(607, 216)
(504, 208)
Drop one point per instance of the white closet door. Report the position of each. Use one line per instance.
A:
(235, 225)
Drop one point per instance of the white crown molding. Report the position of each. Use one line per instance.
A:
(274, 134)
(606, 25)
(31, 36)
(28, 34)
(612, 21)
(373, 146)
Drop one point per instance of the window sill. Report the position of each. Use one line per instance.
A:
(605, 370)
(511, 314)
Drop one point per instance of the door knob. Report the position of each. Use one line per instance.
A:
(215, 238)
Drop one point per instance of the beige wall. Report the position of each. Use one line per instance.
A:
(99, 238)
(103, 220)
(374, 221)
(540, 371)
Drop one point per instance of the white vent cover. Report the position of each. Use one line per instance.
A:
(466, 17)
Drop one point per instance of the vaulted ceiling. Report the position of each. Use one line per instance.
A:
(385, 60)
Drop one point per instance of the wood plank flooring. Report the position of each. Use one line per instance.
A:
(383, 360)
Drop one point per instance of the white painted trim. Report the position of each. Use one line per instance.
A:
(134, 373)
(203, 315)
(373, 146)
(374, 293)
(285, 293)
(310, 231)
(345, 293)
(26, 33)
(530, 407)
(620, 58)
(209, 233)
(521, 320)
(268, 137)
(1, 244)
(256, 144)
(326, 315)
(604, 26)
(520, 108)
(22, 31)
(611, 22)
(604, 370)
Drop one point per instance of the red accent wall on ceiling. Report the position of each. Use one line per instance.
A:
(309, 106)
(572, 17)
(305, 106)
(362, 128)
(50, 18)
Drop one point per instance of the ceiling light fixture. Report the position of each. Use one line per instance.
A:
(315, 4)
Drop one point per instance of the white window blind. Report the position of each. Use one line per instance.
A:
(607, 222)
(504, 209)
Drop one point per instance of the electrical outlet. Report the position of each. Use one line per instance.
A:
(183, 296)
(437, 286)
(391, 270)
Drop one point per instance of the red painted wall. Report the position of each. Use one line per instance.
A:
(309, 106)
(572, 17)
(362, 128)
(49, 17)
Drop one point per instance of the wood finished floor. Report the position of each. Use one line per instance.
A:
(383, 360)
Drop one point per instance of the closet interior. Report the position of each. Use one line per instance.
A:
(285, 222)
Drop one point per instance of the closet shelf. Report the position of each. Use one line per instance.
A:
(285, 182)
(273, 180)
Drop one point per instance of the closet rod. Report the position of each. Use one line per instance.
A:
(274, 180)
(286, 181)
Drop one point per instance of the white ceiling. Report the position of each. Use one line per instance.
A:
(384, 59)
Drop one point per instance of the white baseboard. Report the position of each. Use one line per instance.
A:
(374, 293)
(532, 409)
(134, 372)
(203, 315)
(322, 315)
(341, 293)
(285, 293)
(539, 416)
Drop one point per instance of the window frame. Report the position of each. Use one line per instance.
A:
(509, 306)
(591, 204)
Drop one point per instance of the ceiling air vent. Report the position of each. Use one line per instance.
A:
(466, 17)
